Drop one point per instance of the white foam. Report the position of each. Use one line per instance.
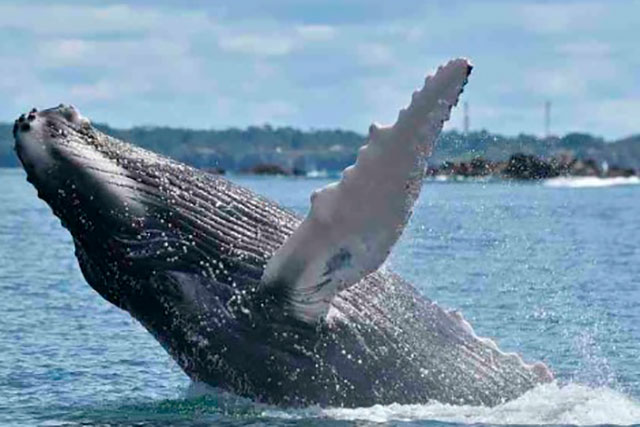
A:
(318, 173)
(546, 404)
(590, 181)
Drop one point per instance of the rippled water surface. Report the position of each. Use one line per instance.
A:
(552, 272)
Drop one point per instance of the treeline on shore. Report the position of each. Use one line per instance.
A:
(264, 149)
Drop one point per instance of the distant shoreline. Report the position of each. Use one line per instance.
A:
(285, 150)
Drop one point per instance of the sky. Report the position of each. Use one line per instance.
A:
(323, 64)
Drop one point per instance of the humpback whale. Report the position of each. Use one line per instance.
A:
(250, 298)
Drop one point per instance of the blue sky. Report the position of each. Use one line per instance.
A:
(314, 64)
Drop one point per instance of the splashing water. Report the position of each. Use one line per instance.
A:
(572, 403)
(548, 404)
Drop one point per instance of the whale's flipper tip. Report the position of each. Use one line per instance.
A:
(353, 224)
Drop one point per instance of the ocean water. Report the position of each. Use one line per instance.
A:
(549, 270)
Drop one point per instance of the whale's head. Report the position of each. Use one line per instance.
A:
(138, 220)
(77, 171)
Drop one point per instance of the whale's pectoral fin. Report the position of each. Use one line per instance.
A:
(353, 223)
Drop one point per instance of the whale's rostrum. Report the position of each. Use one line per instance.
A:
(248, 297)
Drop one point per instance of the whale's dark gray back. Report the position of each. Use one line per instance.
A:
(184, 252)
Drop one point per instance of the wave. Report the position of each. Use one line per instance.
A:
(546, 404)
(549, 404)
(590, 182)
(323, 173)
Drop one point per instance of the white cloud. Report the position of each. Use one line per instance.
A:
(374, 54)
(554, 83)
(574, 78)
(585, 48)
(383, 98)
(552, 18)
(262, 73)
(66, 49)
(256, 44)
(409, 32)
(316, 32)
(272, 111)
(100, 91)
(74, 20)
(598, 117)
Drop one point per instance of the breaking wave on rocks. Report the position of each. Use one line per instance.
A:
(590, 182)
